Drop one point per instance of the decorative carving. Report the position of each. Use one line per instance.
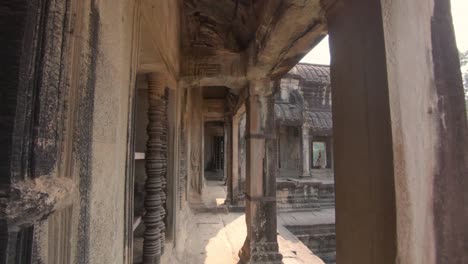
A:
(195, 164)
(156, 167)
(207, 69)
(183, 149)
(182, 170)
(266, 252)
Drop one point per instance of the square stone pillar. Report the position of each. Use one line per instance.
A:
(228, 157)
(234, 184)
(196, 139)
(261, 244)
(399, 132)
(305, 151)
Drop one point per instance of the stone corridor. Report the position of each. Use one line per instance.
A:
(111, 112)
(218, 234)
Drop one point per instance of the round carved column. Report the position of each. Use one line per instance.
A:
(156, 167)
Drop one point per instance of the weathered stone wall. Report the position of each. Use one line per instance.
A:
(290, 153)
(114, 81)
(292, 195)
(83, 98)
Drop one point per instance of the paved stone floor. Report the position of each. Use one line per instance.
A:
(217, 235)
(212, 200)
(217, 238)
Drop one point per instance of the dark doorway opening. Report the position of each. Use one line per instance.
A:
(214, 151)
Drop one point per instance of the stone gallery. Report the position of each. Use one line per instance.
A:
(185, 131)
(302, 108)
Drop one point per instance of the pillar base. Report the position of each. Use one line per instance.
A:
(260, 253)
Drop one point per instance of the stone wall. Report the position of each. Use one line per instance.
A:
(290, 154)
(78, 100)
(113, 83)
(297, 194)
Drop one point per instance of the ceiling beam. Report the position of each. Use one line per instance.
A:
(211, 67)
(288, 29)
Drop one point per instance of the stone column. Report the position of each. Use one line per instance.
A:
(261, 244)
(196, 139)
(156, 167)
(305, 151)
(235, 160)
(399, 132)
(228, 156)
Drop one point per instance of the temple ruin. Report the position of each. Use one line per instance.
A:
(187, 131)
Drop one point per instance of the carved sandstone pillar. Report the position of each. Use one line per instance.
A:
(156, 164)
(261, 244)
(400, 142)
(228, 156)
(235, 160)
(305, 151)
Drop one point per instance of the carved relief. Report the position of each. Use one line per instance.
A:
(195, 165)
(196, 139)
(207, 69)
(182, 153)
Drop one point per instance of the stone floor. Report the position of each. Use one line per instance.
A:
(217, 235)
(212, 199)
(217, 238)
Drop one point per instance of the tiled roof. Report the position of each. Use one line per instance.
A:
(318, 117)
(319, 120)
(288, 113)
(310, 72)
(291, 114)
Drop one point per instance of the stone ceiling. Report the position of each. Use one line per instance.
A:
(228, 42)
(222, 24)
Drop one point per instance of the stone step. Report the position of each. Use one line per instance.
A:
(320, 239)
(201, 208)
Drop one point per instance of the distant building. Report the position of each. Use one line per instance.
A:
(304, 120)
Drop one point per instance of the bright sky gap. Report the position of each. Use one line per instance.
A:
(321, 53)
